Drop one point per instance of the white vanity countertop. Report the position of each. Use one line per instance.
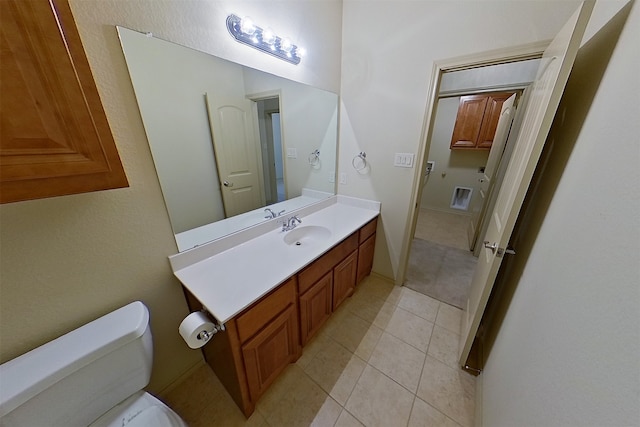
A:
(230, 281)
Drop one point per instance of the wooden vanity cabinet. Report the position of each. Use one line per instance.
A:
(477, 120)
(335, 273)
(259, 343)
(256, 345)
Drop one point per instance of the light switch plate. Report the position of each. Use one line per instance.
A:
(403, 160)
(343, 178)
(292, 153)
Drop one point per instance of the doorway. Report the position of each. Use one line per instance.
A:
(269, 127)
(445, 228)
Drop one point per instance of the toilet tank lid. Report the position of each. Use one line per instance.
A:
(29, 374)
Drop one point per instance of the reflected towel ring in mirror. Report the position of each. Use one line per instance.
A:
(359, 161)
(314, 158)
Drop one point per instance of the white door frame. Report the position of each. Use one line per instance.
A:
(492, 57)
(255, 97)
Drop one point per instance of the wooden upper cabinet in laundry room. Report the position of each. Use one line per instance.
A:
(477, 119)
(54, 135)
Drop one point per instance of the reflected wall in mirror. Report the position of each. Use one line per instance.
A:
(228, 141)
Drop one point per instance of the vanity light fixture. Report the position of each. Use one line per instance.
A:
(245, 31)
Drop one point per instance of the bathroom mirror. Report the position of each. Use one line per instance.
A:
(229, 141)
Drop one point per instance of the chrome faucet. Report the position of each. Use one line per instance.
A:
(271, 214)
(290, 223)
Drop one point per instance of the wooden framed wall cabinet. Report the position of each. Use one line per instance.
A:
(477, 120)
(54, 135)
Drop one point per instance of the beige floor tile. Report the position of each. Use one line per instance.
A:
(444, 346)
(449, 390)
(201, 400)
(378, 288)
(312, 347)
(347, 420)
(449, 317)
(220, 413)
(354, 333)
(377, 400)
(336, 370)
(425, 415)
(190, 398)
(410, 328)
(368, 343)
(293, 400)
(374, 311)
(398, 360)
(328, 414)
(419, 304)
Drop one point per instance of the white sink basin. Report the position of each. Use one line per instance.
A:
(307, 234)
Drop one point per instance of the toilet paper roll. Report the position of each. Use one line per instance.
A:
(196, 329)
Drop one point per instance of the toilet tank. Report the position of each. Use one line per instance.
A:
(75, 378)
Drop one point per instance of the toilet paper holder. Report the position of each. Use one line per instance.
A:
(199, 327)
(217, 326)
(205, 335)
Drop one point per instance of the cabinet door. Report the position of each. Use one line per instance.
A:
(344, 279)
(468, 121)
(55, 136)
(315, 307)
(365, 257)
(490, 119)
(270, 351)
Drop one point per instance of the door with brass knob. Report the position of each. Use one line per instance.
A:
(498, 251)
(553, 72)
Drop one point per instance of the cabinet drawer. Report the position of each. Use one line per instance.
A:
(326, 262)
(257, 316)
(368, 229)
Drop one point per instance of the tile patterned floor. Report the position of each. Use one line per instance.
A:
(387, 357)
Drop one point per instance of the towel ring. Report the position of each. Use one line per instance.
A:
(314, 158)
(359, 162)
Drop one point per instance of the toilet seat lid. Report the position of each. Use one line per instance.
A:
(157, 416)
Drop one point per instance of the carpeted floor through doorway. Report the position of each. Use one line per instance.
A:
(440, 271)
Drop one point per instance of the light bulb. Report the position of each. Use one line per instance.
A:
(268, 36)
(301, 52)
(286, 45)
(247, 26)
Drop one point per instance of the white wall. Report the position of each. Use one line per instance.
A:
(67, 260)
(453, 168)
(567, 353)
(387, 59)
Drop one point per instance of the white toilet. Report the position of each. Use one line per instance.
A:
(92, 376)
